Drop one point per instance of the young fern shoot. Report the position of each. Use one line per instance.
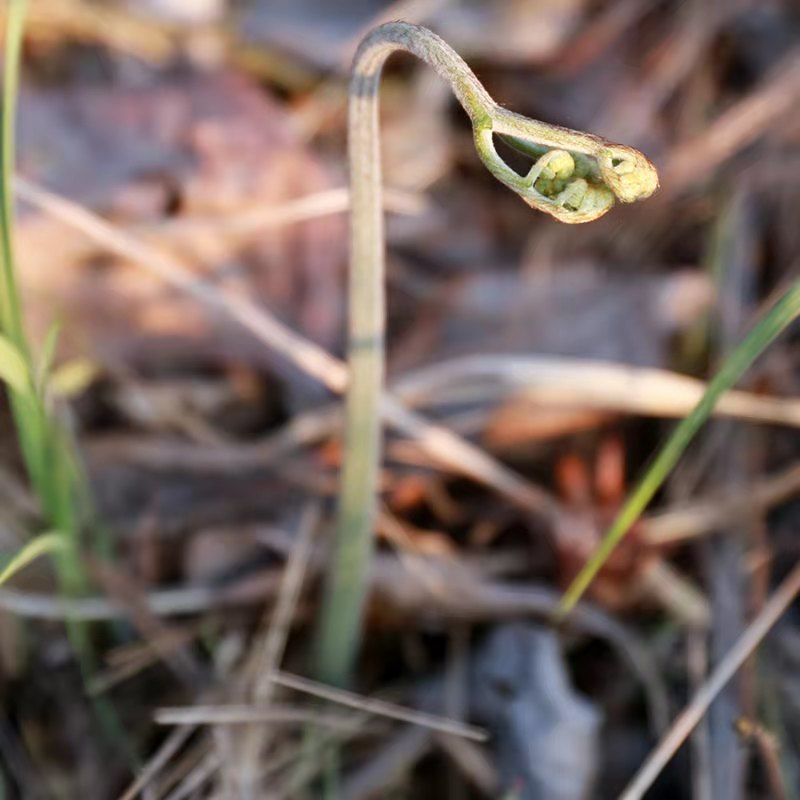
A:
(575, 178)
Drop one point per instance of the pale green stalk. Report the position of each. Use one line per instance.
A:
(576, 179)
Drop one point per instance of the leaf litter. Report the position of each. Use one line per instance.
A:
(179, 148)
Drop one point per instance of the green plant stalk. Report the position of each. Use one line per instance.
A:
(27, 417)
(772, 324)
(10, 309)
(577, 178)
(46, 452)
(49, 454)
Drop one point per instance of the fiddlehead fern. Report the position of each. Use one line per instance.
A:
(576, 178)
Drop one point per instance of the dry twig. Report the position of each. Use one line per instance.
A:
(685, 723)
(382, 708)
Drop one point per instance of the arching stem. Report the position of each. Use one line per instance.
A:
(618, 171)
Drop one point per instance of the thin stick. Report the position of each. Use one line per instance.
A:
(590, 383)
(199, 775)
(269, 646)
(704, 516)
(309, 357)
(171, 745)
(379, 707)
(180, 601)
(445, 447)
(549, 381)
(693, 713)
(254, 221)
(736, 127)
(247, 715)
(274, 644)
(697, 669)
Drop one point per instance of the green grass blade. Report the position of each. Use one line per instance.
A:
(42, 545)
(10, 310)
(14, 367)
(47, 452)
(28, 417)
(71, 378)
(48, 355)
(780, 316)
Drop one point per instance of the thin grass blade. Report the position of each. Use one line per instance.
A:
(48, 355)
(45, 544)
(780, 316)
(10, 307)
(13, 367)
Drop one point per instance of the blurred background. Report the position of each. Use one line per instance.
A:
(210, 137)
